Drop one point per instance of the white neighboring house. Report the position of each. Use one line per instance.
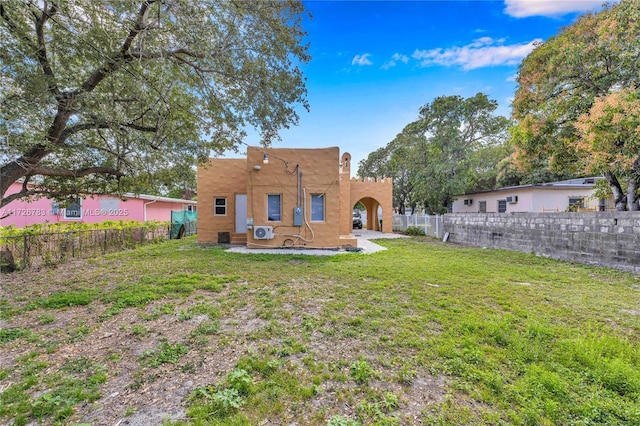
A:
(566, 195)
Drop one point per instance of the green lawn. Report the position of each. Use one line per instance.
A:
(422, 333)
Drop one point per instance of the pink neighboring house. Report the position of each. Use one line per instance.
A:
(90, 210)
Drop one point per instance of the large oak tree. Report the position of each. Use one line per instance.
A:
(574, 84)
(98, 96)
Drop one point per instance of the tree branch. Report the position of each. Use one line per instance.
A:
(122, 56)
(149, 129)
(48, 171)
(41, 50)
(94, 126)
(141, 54)
(119, 156)
(178, 55)
(14, 28)
(138, 26)
(141, 115)
(25, 193)
(22, 194)
(82, 126)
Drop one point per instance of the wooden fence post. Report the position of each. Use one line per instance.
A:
(25, 251)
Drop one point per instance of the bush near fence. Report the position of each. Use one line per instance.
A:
(49, 244)
(430, 224)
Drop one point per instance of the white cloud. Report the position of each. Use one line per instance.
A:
(482, 52)
(361, 60)
(509, 100)
(397, 57)
(524, 8)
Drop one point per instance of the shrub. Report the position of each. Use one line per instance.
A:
(414, 230)
(166, 353)
(240, 381)
(342, 421)
(361, 371)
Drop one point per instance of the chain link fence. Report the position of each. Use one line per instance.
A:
(431, 224)
(183, 224)
(32, 250)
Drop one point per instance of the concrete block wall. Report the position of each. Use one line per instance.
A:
(604, 238)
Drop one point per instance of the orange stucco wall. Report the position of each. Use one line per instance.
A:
(317, 170)
(373, 193)
(294, 175)
(219, 178)
(346, 206)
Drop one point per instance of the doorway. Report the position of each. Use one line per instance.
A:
(241, 213)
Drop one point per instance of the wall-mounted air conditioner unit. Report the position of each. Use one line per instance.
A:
(512, 199)
(468, 202)
(263, 232)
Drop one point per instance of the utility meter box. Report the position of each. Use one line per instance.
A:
(297, 216)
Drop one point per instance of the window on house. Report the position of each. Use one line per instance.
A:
(317, 207)
(483, 206)
(274, 208)
(502, 206)
(576, 203)
(219, 206)
(73, 210)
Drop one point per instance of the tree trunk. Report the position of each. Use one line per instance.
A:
(7, 263)
(14, 170)
(618, 194)
(21, 167)
(632, 195)
(632, 188)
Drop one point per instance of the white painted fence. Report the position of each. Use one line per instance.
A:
(432, 225)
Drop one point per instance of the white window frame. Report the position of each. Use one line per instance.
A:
(72, 218)
(313, 211)
(269, 219)
(216, 205)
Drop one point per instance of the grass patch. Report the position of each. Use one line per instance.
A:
(152, 288)
(224, 399)
(64, 299)
(495, 337)
(78, 381)
(9, 334)
(206, 328)
(362, 372)
(165, 354)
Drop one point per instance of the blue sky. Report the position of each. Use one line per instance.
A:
(375, 63)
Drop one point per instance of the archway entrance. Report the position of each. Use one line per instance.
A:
(372, 215)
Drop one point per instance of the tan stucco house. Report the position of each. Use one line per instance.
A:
(279, 197)
(566, 195)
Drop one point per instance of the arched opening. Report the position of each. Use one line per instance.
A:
(370, 212)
